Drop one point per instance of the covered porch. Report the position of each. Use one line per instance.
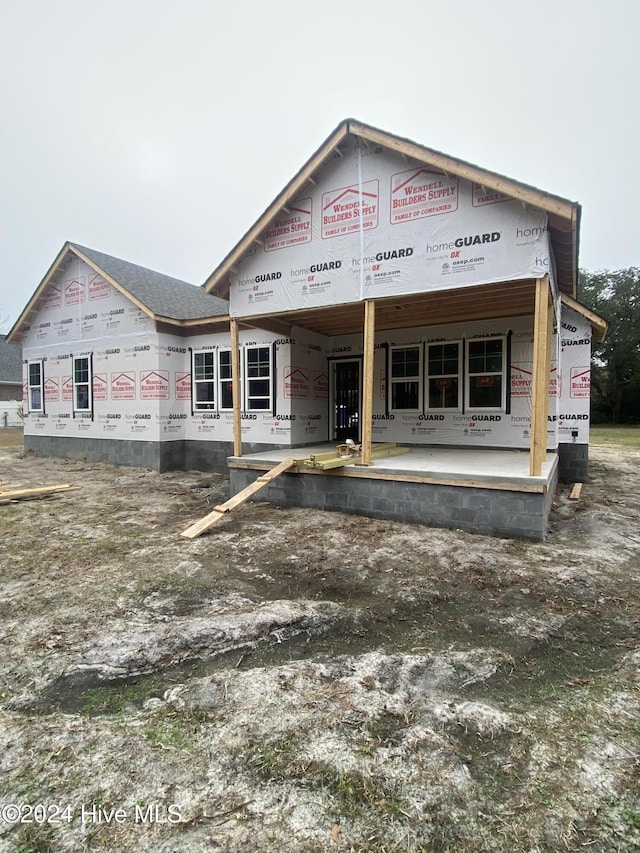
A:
(500, 492)
(481, 491)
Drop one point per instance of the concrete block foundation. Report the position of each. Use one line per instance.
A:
(180, 455)
(497, 512)
(573, 463)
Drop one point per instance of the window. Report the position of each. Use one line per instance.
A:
(36, 389)
(225, 380)
(259, 380)
(405, 384)
(485, 374)
(82, 384)
(204, 380)
(443, 376)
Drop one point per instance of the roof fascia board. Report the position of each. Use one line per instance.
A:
(598, 323)
(201, 321)
(289, 193)
(575, 233)
(31, 304)
(530, 195)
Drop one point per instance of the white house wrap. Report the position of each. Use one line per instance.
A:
(389, 294)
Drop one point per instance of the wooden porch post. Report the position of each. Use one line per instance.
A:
(367, 386)
(542, 333)
(236, 389)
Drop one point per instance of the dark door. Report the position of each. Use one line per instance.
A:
(346, 400)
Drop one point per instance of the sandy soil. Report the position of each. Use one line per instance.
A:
(308, 681)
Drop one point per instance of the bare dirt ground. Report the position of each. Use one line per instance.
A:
(308, 681)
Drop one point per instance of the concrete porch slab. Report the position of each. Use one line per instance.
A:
(480, 491)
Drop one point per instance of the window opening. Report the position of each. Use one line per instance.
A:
(204, 380)
(259, 379)
(82, 379)
(443, 372)
(406, 379)
(36, 389)
(485, 374)
(225, 380)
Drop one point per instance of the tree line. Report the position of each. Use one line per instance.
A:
(615, 363)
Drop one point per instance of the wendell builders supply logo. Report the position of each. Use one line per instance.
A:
(419, 193)
(290, 229)
(74, 291)
(349, 209)
(98, 288)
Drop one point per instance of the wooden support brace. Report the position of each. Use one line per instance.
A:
(219, 512)
(367, 385)
(235, 388)
(540, 380)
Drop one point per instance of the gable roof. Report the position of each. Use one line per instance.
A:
(563, 215)
(10, 363)
(162, 297)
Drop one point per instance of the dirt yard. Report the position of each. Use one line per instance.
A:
(308, 681)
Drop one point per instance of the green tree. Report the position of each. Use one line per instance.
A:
(615, 373)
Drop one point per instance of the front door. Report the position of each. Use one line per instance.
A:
(346, 396)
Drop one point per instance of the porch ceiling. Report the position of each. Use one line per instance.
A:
(482, 302)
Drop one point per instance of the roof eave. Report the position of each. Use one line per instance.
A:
(16, 330)
(215, 320)
(491, 180)
(599, 325)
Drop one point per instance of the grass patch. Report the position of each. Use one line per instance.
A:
(351, 793)
(614, 434)
(177, 729)
(387, 728)
(115, 699)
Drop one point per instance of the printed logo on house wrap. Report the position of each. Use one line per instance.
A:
(123, 385)
(98, 288)
(100, 386)
(580, 378)
(418, 193)
(344, 210)
(53, 297)
(456, 259)
(74, 291)
(291, 228)
(482, 196)
(154, 385)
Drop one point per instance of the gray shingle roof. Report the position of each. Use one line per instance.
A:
(161, 294)
(10, 361)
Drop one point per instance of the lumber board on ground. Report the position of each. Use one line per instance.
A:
(37, 492)
(576, 492)
(219, 512)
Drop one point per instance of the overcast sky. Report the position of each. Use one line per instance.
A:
(158, 130)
